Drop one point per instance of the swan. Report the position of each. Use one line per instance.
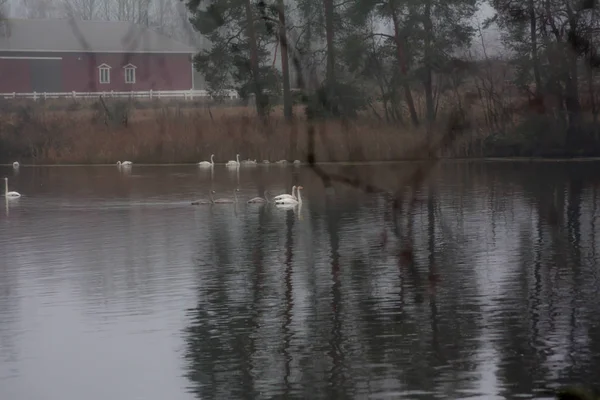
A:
(7, 194)
(266, 162)
(232, 163)
(203, 201)
(289, 200)
(221, 201)
(16, 165)
(210, 163)
(259, 199)
(286, 196)
(297, 162)
(281, 162)
(249, 162)
(287, 206)
(124, 163)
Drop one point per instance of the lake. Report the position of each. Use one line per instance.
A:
(112, 286)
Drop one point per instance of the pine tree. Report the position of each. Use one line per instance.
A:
(240, 35)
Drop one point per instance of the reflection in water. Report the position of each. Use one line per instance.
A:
(113, 286)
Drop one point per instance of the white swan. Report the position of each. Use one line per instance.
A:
(281, 162)
(266, 162)
(289, 200)
(286, 196)
(232, 163)
(16, 165)
(7, 194)
(221, 201)
(210, 163)
(203, 201)
(249, 162)
(259, 199)
(297, 162)
(124, 163)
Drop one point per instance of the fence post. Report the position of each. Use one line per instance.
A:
(34, 96)
(150, 93)
(14, 95)
(45, 97)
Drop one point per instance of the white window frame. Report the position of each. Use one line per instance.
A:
(101, 69)
(128, 68)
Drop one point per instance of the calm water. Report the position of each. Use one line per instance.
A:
(113, 287)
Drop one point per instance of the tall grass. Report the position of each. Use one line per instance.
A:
(170, 134)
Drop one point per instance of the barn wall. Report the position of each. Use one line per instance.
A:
(14, 76)
(46, 75)
(153, 72)
(80, 71)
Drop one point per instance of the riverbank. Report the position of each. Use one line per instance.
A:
(339, 163)
(177, 135)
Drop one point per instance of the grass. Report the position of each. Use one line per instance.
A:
(52, 132)
(188, 135)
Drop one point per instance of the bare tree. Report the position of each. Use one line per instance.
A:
(169, 17)
(106, 10)
(137, 11)
(84, 9)
(4, 7)
(38, 9)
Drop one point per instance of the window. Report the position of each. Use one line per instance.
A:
(130, 73)
(104, 73)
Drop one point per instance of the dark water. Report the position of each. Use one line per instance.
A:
(113, 287)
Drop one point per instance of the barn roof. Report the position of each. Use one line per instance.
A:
(70, 35)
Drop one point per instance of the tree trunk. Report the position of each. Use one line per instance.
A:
(330, 81)
(534, 49)
(428, 27)
(259, 99)
(402, 66)
(573, 105)
(121, 10)
(330, 46)
(287, 97)
(592, 94)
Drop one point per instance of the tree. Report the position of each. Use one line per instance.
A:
(285, 69)
(446, 28)
(3, 5)
(321, 32)
(390, 11)
(425, 35)
(329, 28)
(239, 31)
(550, 39)
(38, 8)
(371, 59)
(84, 9)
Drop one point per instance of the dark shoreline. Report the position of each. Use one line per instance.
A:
(334, 163)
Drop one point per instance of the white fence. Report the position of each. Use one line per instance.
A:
(149, 94)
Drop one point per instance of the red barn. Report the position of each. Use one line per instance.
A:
(66, 55)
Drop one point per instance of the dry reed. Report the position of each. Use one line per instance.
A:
(178, 135)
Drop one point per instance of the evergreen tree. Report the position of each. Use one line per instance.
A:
(424, 35)
(550, 40)
(240, 36)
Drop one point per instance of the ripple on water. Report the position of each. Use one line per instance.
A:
(259, 302)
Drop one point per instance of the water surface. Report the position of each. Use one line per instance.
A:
(112, 286)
